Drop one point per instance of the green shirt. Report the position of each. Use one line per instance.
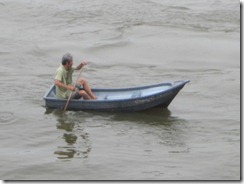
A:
(64, 76)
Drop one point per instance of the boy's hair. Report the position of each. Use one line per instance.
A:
(66, 58)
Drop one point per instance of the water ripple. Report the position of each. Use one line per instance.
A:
(7, 118)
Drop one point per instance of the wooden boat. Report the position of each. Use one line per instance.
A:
(125, 99)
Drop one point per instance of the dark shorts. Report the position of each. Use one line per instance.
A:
(75, 95)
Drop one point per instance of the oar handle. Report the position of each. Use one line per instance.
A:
(67, 103)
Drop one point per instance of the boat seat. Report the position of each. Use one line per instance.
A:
(52, 94)
(114, 97)
(136, 94)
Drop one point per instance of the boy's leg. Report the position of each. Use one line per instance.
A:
(84, 95)
(86, 88)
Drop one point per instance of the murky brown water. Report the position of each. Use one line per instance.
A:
(129, 44)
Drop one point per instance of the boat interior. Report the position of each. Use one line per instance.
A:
(120, 94)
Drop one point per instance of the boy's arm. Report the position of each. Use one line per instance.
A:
(62, 85)
(81, 65)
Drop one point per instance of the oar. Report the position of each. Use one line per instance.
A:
(67, 103)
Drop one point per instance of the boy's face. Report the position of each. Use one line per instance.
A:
(70, 63)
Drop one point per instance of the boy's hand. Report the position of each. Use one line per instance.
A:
(71, 88)
(84, 63)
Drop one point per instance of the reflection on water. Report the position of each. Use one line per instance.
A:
(153, 127)
(77, 143)
(156, 126)
(150, 116)
(65, 126)
(153, 116)
(150, 125)
(68, 153)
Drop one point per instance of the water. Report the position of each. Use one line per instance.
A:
(128, 43)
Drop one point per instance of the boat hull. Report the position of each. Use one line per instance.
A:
(134, 103)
